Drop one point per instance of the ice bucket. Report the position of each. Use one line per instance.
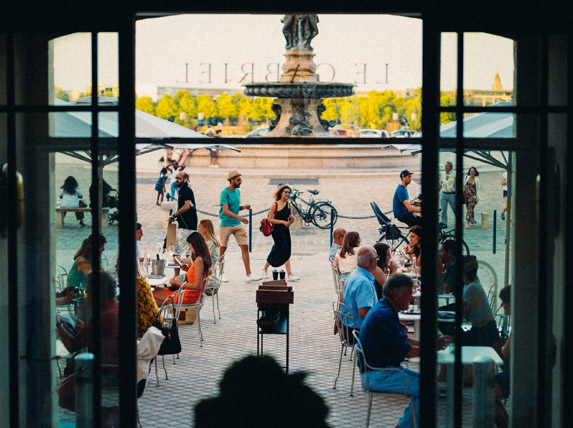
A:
(158, 267)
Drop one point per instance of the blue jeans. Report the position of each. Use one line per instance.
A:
(174, 191)
(395, 381)
(445, 200)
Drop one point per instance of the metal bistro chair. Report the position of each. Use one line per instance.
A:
(337, 280)
(168, 316)
(214, 285)
(389, 231)
(194, 306)
(364, 369)
(342, 321)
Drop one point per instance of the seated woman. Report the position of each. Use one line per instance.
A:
(476, 308)
(108, 331)
(207, 229)
(200, 269)
(147, 309)
(414, 248)
(345, 259)
(385, 268)
(79, 271)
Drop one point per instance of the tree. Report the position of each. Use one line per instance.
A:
(206, 105)
(145, 104)
(261, 110)
(226, 108)
(61, 94)
(331, 112)
(187, 105)
(447, 100)
(166, 108)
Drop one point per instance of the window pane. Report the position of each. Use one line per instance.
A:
(482, 125)
(449, 69)
(287, 86)
(79, 124)
(488, 69)
(70, 67)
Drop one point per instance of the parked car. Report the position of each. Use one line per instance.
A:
(405, 133)
(259, 132)
(345, 130)
(374, 133)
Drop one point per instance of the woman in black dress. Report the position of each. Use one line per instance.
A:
(281, 216)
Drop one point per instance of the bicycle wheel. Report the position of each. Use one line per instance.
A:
(396, 244)
(465, 247)
(323, 215)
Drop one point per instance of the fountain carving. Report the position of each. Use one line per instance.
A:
(298, 106)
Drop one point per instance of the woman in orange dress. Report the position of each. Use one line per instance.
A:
(199, 270)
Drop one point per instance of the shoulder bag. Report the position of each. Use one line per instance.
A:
(266, 225)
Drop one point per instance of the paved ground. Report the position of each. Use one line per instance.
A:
(313, 347)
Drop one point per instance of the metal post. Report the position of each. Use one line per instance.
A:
(331, 226)
(494, 230)
(84, 390)
(250, 230)
(484, 369)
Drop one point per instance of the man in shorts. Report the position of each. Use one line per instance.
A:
(230, 223)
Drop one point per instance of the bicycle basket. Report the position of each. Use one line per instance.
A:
(392, 232)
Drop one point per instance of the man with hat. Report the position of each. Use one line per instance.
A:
(230, 223)
(403, 210)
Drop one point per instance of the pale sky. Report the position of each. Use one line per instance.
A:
(373, 51)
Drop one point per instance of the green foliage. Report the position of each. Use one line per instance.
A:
(261, 109)
(447, 100)
(145, 104)
(61, 94)
(166, 108)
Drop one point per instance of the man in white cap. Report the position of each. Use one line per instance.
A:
(230, 221)
(401, 206)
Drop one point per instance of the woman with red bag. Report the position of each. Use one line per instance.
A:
(281, 216)
(193, 283)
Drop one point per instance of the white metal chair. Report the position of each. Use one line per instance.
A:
(364, 367)
(167, 316)
(337, 280)
(193, 306)
(342, 321)
(214, 283)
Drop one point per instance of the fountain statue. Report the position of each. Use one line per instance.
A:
(298, 106)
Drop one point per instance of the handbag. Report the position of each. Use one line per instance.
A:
(267, 226)
(171, 344)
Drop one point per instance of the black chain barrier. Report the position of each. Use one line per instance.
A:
(268, 209)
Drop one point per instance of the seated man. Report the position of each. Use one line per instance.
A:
(476, 308)
(446, 255)
(386, 344)
(337, 237)
(359, 291)
(401, 207)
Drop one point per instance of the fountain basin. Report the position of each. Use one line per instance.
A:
(312, 90)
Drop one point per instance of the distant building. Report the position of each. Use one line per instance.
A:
(485, 97)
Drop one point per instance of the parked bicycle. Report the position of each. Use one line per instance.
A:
(320, 213)
(444, 235)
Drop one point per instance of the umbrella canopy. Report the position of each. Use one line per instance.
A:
(196, 146)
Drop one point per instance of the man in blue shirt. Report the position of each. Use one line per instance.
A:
(386, 345)
(359, 292)
(403, 210)
(232, 223)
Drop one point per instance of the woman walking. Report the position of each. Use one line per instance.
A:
(281, 216)
(471, 191)
(70, 194)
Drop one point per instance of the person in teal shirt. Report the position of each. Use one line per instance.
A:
(231, 223)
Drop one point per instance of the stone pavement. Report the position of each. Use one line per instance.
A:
(313, 347)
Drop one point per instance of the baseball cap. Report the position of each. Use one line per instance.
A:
(233, 174)
(405, 173)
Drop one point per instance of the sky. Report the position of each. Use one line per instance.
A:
(373, 51)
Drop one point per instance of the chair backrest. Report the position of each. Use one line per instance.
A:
(380, 216)
(337, 280)
(488, 279)
(178, 301)
(217, 275)
(344, 321)
(61, 278)
(363, 365)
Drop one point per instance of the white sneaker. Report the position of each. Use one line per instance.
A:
(224, 278)
(253, 278)
(293, 278)
(264, 273)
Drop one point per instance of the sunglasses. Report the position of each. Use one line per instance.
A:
(286, 192)
(178, 178)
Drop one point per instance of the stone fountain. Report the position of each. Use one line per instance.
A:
(298, 106)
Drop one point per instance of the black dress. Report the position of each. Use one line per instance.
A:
(280, 252)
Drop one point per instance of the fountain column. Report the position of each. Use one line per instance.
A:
(298, 93)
